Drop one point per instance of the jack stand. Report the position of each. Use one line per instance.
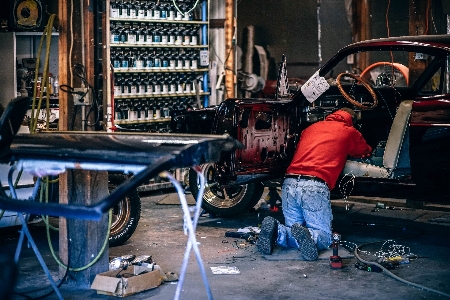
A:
(335, 259)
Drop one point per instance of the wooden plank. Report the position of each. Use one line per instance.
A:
(82, 187)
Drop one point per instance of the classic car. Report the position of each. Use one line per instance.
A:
(402, 100)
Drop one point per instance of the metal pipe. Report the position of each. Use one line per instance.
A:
(230, 28)
(205, 42)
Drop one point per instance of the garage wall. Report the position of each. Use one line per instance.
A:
(290, 27)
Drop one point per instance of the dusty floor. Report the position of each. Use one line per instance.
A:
(423, 232)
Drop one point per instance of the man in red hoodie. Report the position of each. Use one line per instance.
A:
(319, 159)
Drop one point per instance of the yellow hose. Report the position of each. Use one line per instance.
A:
(45, 82)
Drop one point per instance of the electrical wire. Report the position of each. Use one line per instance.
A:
(105, 243)
(188, 11)
(189, 228)
(80, 72)
(390, 274)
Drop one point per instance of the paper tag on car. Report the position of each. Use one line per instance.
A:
(314, 87)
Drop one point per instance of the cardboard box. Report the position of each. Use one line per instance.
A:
(108, 284)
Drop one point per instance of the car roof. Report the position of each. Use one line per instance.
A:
(440, 41)
(430, 44)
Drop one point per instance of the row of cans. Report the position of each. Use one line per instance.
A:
(155, 34)
(155, 85)
(131, 110)
(152, 10)
(159, 59)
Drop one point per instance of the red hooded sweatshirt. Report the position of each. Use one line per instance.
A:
(324, 147)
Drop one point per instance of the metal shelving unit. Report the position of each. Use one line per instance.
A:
(154, 61)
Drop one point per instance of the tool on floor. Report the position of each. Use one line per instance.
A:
(335, 259)
(248, 236)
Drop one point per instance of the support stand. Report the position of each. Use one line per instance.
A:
(25, 232)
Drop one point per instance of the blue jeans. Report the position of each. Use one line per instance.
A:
(306, 202)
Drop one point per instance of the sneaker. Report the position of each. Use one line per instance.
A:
(268, 236)
(306, 244)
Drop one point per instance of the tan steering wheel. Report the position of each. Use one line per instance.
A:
(353, 100)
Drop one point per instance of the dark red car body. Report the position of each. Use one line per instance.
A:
(269, 128)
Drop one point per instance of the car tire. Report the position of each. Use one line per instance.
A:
(126, 213)
(224, 202)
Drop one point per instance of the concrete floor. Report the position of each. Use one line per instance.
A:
(425, 232)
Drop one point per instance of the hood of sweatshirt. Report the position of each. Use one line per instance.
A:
(340, 116)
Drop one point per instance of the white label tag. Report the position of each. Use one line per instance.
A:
(314, 87)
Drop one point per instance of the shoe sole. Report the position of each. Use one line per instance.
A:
(267, 236)
(306, 244)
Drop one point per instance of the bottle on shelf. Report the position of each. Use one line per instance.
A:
(142, 87)
(164, 35)
(140, 11)
(126, 109)
(188, 85)
(157, 11)
(126, 87)
(118, 86)
(172, 35)
(165, 86)
(115, 34)
(194, 35)
(186, 60)
(194, 59)
(149, 115)
(151, 10)
(148, 86)
(157, 111)
(163, 11)
(139, 61)
(171, 12)
(179, 36)
(166, 110)
(133, 111)
(178, 14)
(143, 111)
(118, 114)
(132, 10)
(114, 10)
(186, 36)
(172, 85)
(131, 36)
(180, 84)
(178, 60)
(128, 6)
(121, 10)
(124, 35)
(128, 61)
(157, 34)
(141, 35)
(117, 60)
(157, 81)
(134, 86)
(172, 61)
(165, 59)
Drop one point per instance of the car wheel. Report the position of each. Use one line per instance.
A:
(226, 202)
(125, 215)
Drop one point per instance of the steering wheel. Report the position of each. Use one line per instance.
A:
(351, 99)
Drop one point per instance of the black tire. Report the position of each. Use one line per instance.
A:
(225, 202)
(126, 214)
